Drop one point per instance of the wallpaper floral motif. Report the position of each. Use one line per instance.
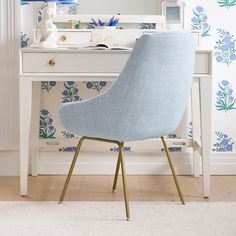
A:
(223, 144)
(48, 85)
(173, 149)
(199, 21)
(96, 85)
(216, 22)
(227, 3)
(224, 97)
(47, 130)
(70, 93)
(117, 149)
(225, 51)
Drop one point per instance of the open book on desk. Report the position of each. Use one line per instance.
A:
(102, 46)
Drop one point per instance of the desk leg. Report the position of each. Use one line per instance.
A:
(25, 115)
(34, 134)
(205, 98)
(196, 125)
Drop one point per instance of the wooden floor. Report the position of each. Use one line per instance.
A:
(98, 188)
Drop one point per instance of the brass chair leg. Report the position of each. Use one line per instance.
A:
(71, 169)
(120, 161)
(173, 170)
(116, 174)
(121, 145)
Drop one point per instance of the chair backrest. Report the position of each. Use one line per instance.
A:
(152, 91)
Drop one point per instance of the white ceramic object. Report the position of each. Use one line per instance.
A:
(47, 36)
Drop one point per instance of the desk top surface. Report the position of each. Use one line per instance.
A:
(89, 51)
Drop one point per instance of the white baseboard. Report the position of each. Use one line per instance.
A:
(9, 163)
(99, 163)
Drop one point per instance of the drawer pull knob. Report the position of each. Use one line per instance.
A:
(52, 63)
(63, 38)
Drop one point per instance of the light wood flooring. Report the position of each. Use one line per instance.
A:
(98, 188)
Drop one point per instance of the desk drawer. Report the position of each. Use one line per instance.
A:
(74, 62)
(92, 62)
(74, 38)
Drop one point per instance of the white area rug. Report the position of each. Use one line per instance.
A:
(108, 218)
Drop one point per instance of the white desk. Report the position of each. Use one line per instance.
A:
(80, 65)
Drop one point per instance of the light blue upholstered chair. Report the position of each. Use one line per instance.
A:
(147, 101)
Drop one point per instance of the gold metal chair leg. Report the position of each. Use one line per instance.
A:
(121, 145)
(71, 169)
(116, 174)
(120, 161)
(173, 170)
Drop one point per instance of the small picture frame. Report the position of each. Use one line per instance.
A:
(174, 13)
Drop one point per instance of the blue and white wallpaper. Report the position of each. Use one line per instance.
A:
(215, 20)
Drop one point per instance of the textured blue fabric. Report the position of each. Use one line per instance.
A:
(149, 97)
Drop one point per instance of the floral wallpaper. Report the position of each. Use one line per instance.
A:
(226, 3)
(225, 101)
(199, 21)
(214, 19)
(225, 51)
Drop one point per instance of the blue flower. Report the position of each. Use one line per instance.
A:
(199, 9)
(224, 47)
(194, 20)
(51, 127)
(77, 98)
(232, 57)
(204, 18)
(231, 98)
(219, 94)
(230, 91)
(89, 85)
(103, 83)
(205, 25)
(231, 45)
(52, 83)
(219, 58)
(226, 40)
(225, 83)
(50, 120)
(44, 112)
(65, 93)
(224, 142)
(70, 82)
(229, 148)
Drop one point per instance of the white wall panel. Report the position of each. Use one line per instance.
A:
(9, 41)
